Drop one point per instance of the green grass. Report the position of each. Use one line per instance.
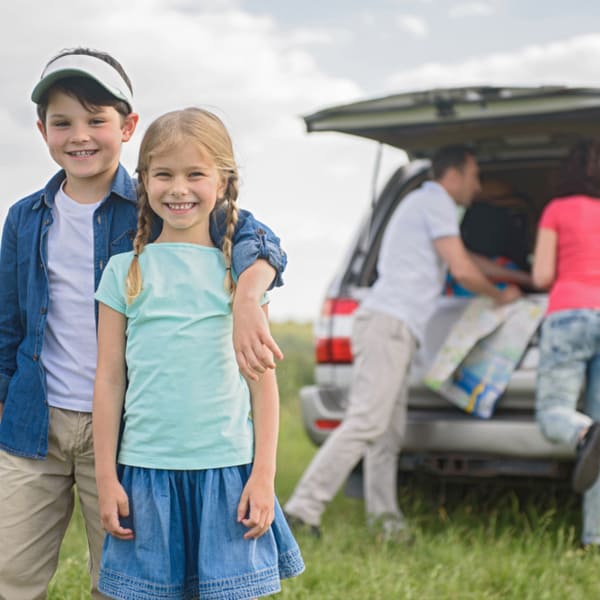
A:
(474, 542)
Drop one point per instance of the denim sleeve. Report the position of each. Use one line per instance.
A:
(252, 240)
(11, 331)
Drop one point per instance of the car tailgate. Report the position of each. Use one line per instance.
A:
(493, 119)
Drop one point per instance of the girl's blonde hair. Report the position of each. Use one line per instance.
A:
(165, 133)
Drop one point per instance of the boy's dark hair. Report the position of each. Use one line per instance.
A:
(88, 92)
(453, 156)
(580, 170)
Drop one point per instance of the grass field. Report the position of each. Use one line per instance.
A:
(472, 542)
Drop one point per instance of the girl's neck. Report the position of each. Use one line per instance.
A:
(184, 237)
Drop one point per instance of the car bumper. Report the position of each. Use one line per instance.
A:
(444, 430)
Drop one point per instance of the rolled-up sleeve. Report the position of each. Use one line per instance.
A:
(252, 241)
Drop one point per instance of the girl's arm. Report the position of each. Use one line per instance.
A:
(259, 261)
(109, 393)
(544, 259)
(256, 508)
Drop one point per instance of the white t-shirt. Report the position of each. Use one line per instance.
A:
(411, 273)
(69, 353)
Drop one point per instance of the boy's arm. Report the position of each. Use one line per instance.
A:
(259, 262)
(256, 508)
(11, 330)
(109, 393)
(254, 346)
(252, 241)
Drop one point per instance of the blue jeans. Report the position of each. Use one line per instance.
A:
(570, 359)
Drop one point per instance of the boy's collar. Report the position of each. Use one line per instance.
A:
(123, 186)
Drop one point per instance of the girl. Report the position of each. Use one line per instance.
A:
(567, 260)
(190, 509)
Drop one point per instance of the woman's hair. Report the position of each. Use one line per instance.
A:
(205, 129)
(580, 170)
(87, 91)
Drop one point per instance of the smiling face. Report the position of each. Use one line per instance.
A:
(87, 145)
(183, 186)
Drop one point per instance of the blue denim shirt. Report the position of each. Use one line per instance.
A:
(24, 294)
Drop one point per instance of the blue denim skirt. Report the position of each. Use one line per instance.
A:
(188, 543)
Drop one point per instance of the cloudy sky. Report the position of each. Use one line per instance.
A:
(262, 64)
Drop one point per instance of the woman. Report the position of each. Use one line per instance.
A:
(567, 261)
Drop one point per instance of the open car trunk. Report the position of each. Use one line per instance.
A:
(499, 122)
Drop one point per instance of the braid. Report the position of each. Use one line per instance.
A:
(133, 283)
(231, 219)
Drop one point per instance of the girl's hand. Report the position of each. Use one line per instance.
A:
(114, 503)
(256, 509)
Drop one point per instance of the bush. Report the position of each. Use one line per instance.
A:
(297, 368)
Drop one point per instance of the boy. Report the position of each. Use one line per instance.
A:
(55, 245)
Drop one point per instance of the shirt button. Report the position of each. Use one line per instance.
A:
(35, 357)
(261, 231)
(43, 310)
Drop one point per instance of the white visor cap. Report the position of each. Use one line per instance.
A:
(83, 65)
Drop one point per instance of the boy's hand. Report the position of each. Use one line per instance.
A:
(113, 503)
(256, 509)
(252, 341)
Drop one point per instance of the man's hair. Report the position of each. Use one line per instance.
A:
(580, 170)
(453, 156)
(87, 91)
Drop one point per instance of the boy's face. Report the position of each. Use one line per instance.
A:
(87, 145)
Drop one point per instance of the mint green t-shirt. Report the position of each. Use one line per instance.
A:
(187, 405)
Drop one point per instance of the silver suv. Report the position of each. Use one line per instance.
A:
(519, 135)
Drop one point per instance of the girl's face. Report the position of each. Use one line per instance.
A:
(183, 186)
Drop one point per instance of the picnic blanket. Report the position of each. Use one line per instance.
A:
(475, 363)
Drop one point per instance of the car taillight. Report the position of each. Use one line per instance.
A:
(338, 306)
(327, 424)
(333, 331)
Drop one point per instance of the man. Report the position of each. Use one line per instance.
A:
(422, 239)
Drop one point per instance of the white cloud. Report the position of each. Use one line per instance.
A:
(471, 9)
(319, 37)
(412, 24)
(572, 61)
